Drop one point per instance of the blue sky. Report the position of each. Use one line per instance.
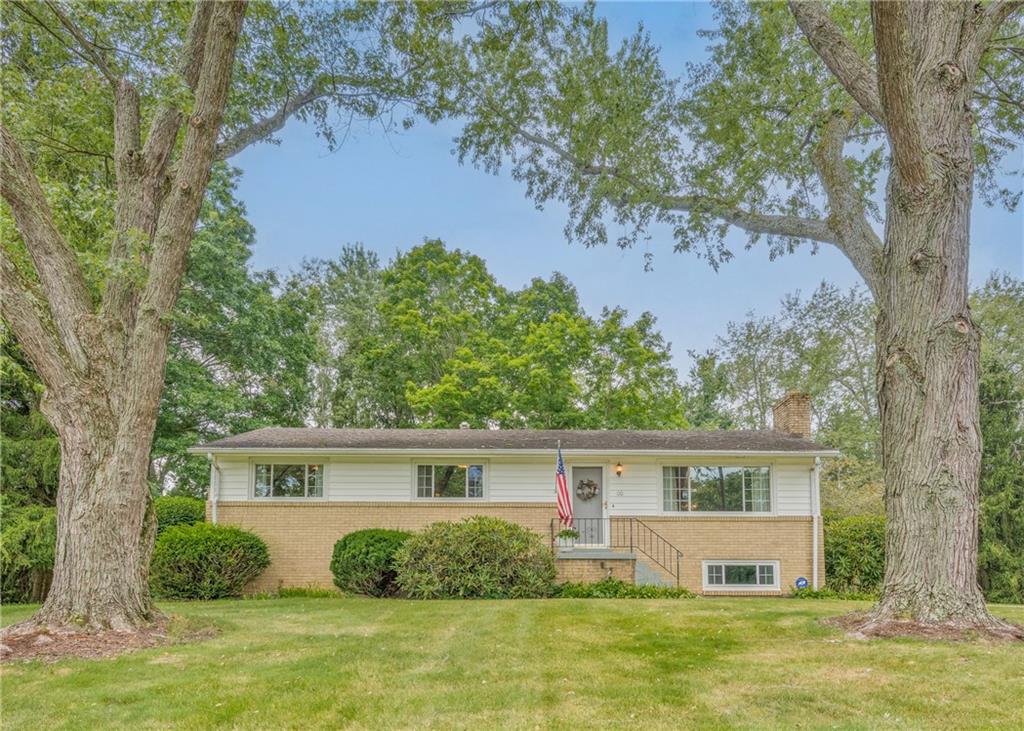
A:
(389, 192)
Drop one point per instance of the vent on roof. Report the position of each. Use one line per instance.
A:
(464, 425)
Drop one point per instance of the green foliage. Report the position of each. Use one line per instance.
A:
(363, 562)
(1001, 524)
(27, 540)
(827, 593)
(618, 589)
(204, 561)
(605, 128)
(30, 458)
(855, 554)
(432, 340)
(178, 510)
(478, 558)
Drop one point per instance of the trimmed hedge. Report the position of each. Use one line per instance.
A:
(855, 554)
(178, 510)
(27, 543)
(364, 561)
(618, 589)
(205, 561)
(478, 558)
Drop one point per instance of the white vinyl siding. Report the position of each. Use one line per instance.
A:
(369, 481)
(521, 481)
(234, 479)
(639, 491)
(793, 487)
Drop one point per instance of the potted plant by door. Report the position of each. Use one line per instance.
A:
(567, 537)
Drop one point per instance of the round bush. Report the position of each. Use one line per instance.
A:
(178, 510)
(364, 561)
(204, 561)
(855, 554)
(478, 558)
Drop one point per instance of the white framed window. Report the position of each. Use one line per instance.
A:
(676, 485)
(465, 481)
(741, 575)
(288, 480)
(721, 489)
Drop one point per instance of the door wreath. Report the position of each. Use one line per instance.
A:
(586, 489)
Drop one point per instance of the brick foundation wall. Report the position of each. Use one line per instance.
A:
(301, 537)
(784, 539)
(589, 570)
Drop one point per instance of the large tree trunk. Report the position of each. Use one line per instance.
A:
(105, 523)
(927, 369)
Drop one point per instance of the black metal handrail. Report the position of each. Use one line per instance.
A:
(622, 532)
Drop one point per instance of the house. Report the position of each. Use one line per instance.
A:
(715, 511)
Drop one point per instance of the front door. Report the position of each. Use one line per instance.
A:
(587, 500)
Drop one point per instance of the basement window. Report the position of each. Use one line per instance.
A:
(741, 575)
(289, 480)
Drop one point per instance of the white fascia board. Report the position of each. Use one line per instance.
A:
(367, 451)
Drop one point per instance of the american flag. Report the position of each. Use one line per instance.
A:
(562, 492)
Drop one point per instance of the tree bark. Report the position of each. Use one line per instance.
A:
(105, 523)
(928, 370)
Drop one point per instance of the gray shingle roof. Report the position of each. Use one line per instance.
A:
(610, 440)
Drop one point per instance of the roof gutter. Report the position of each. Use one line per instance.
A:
(370, 451)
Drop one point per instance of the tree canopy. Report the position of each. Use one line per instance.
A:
(433, 340)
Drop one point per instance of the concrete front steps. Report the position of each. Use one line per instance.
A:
(594, 564)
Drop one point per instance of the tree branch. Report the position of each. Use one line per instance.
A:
(90, 51)
(54, 261)
(856, 239)
(263, 128)
(178, 215)
(842, 59)
(26, 313)
(749, 221)
(140, 173)
(897, 91)
(989, 19)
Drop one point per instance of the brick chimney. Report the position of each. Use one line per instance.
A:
(792, 413)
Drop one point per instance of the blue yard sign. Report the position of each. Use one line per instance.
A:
(801, 583)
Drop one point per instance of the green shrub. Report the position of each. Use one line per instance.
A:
(175, 510)
(826, 593)
(27, 542)
(364, 562)
(478, 558)
(855, 554)
(204, 561)
(618, 589)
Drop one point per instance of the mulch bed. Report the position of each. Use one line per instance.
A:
(50, 645)
(857, 626)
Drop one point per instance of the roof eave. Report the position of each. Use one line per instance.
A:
(370, 451)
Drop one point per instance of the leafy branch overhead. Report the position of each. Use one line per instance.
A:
(780, 133)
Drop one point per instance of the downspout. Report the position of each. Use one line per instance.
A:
(214, 486)
(815, 518)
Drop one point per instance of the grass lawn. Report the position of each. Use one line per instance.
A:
(363, 663)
